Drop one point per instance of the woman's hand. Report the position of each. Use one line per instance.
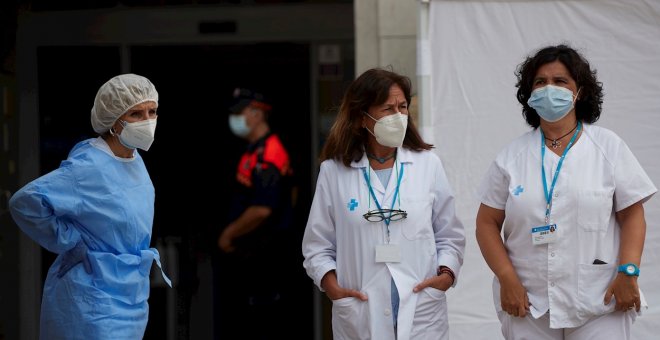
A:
(72, 257)
(441, 282)
(225, 241)
(625, 290)
(513, 296)
(335, 292)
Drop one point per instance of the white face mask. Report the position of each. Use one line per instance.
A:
(138, 134)
(390, 130)
(238, 125)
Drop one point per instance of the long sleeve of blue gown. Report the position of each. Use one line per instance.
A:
(44, 208)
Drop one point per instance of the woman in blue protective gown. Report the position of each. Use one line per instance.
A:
(96, 212)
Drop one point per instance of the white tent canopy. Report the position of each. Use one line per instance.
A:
(468, 55)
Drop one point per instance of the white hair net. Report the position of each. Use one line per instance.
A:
(117, 96)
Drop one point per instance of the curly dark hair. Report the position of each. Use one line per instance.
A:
(590, 98)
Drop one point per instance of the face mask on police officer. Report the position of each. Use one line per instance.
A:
(238, 125)
(390, 130)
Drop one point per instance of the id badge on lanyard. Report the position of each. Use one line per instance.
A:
(386, 252)
(544, 234)
(548, 233)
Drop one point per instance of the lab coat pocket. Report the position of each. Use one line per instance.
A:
(350, 319)
(594, 209)
(418, 223)
(593, 281)
(430, 313)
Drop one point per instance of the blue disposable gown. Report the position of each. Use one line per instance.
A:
(108, 204)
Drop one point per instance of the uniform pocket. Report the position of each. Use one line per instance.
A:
(594, 209)
(593, 281)
(350, 318)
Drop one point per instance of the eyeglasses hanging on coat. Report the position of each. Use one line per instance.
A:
(380, 215)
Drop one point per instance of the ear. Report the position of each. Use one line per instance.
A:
(117, 127)
(254, 112)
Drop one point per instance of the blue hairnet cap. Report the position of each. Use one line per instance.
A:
(117, 96)
(242, 97)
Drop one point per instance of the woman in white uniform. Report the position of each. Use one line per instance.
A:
(382, 240)
(567, 197)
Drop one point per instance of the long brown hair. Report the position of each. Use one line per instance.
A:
(347, 139)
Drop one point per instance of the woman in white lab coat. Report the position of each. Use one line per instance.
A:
(382, 240)
(567, 197)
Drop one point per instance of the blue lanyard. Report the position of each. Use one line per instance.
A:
(548, 195)
(396, 193)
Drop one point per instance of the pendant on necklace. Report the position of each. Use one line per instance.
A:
(555, 143)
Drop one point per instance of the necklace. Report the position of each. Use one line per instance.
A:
(555, 143)
(381, 160)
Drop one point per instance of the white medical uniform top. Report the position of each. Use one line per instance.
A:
(599, 176)
(337, 237)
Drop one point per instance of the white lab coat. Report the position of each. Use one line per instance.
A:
(599, 177)
(338, 237)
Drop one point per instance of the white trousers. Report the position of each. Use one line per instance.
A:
(615, 325)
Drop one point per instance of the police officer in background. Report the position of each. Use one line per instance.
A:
(256, 243)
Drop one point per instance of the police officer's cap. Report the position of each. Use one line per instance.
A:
(242, 97)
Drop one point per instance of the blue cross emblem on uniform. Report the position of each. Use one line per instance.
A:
(352, 204)
(518, 190)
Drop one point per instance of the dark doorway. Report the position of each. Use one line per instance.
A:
(194, 156)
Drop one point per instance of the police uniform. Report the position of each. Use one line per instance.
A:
(254, 279)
